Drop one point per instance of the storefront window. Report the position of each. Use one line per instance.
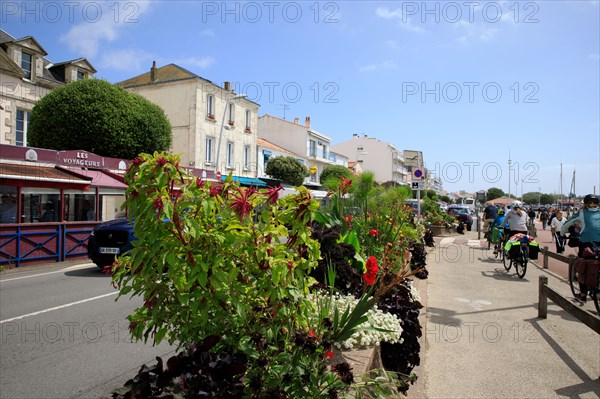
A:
(8, 204)
(40, 205)
(79, 207)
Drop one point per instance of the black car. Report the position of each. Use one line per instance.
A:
(462, 214)
(109, 240)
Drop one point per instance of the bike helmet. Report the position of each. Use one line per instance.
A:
(591, 199)
(516, 204)
(500, 211)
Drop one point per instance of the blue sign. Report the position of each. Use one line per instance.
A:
(418, 173)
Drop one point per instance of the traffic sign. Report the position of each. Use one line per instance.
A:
(313, 169)
(218, 175)
(418, 173)
(417, 185)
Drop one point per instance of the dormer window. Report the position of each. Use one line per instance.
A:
(26, 59)
(80, 75)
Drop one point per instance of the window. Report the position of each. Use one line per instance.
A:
(266, 156)
(80, 75)
(312, 148)
(248, 119)
(231, 113)
(210, 106)
(209, 150)
(8, 204)
(324, 151)
(21, 127)
(26, 64)
(246, 156)
(229, 158)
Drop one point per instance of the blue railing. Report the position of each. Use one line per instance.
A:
(43, 241)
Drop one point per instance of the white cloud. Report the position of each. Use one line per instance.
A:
(392, 44)
(103, 26)
(133, 61)
(405, 21)
(197, 62)
(385, 65)
(477, 31)
(207, 33)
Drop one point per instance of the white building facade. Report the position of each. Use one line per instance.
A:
(213, 128)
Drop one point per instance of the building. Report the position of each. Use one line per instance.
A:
(214, 129)
(268, 150)
(26, 76)
(314, 147)
(383, 159)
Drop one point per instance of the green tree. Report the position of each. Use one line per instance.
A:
(446, 199)
(97, 116)
(493, 193)
(335, 172)
(287, 169)
(547, 199)
(531, 198)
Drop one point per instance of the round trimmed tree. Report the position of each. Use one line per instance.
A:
(97, 116)
(335, 172)
(287, 169)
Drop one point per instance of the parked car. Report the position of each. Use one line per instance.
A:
(462, 214)
(110, 239)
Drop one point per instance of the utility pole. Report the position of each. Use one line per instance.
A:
(509, 162)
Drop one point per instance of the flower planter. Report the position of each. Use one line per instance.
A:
(440, 231)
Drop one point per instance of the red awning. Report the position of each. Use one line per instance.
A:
(99, 178)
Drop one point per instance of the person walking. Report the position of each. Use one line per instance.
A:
(555, 227)
(531, 215)
(588, 219)
(544, 218)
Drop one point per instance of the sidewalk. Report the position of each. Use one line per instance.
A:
(482, 337)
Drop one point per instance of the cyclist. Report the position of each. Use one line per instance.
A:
(498, 220)
(588, 219)
(516, 219)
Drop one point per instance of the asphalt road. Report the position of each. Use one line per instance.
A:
(62, 335)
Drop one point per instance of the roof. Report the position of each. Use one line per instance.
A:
(267, 144)
(41, 174)
(167, 73)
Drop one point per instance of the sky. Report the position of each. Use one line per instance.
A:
(472, 84)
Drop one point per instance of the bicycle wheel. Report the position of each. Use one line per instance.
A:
(506, 261)
(521, 264)
(496, 251)
(573, 280)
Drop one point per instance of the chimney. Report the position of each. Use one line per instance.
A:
(307, 122)
(153, 76)
(227, 86)
(296, 121)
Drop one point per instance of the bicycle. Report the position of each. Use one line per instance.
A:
(519, 259)
(594, 292)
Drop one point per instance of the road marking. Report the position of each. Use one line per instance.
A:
(58, 307)
(473, 243)
(45, 274)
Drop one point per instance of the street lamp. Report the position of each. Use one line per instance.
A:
(236, 97)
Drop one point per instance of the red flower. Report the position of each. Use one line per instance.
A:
(161, 161)
(329, 355)
(348, 220)
(372, 265)
(216, 189)
(137, 161)
(199, 182)
(374, 233)
(241, 203)
(311, 332)
(273, 194)
(158, 204)
(345, 185)
(369, 278)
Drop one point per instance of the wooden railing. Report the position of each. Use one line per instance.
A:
(545, 293)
